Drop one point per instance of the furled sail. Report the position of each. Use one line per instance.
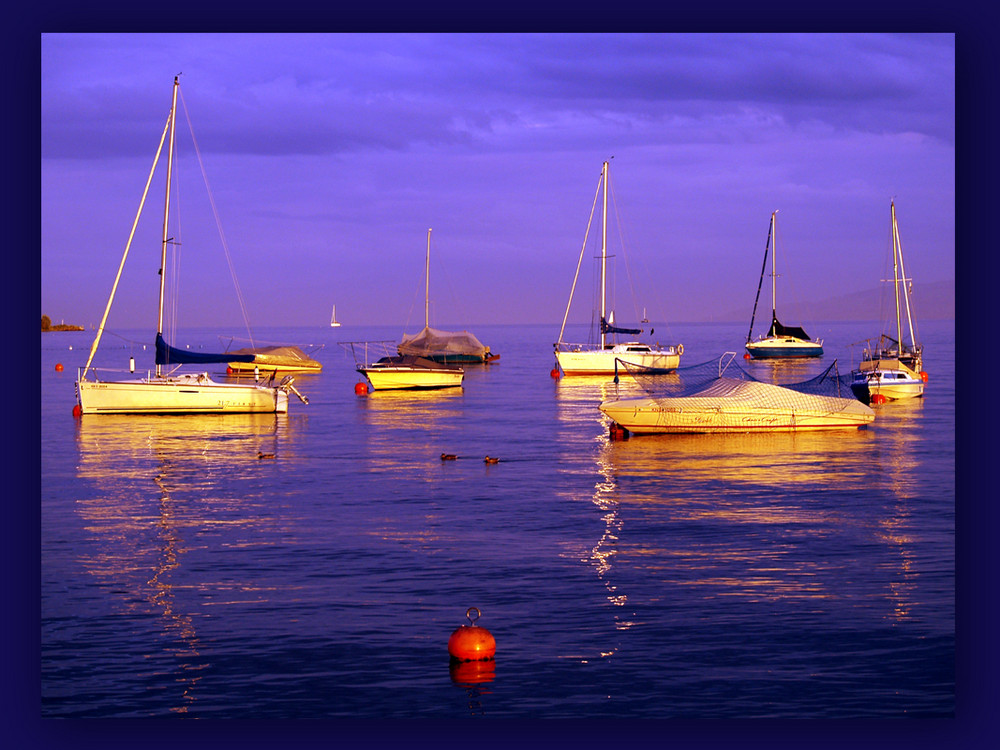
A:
(777, 329)
(607, 327)
(169, 355)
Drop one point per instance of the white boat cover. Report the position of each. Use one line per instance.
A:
(432, 342)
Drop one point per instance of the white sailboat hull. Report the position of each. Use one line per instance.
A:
(397, 377)
(747, 407)
(583, 361)
(185, 394)
(890, 379)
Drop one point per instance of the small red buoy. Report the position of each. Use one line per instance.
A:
(77, 411)
(878, 398)
(617, 432)
(471, 642)
(923, 375)
(229, 370)
(746, 356)
(361, 389)
(555, 372)
(59, 367)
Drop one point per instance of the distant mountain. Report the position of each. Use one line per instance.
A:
(934, 301)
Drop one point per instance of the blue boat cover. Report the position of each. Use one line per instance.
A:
(169, 355)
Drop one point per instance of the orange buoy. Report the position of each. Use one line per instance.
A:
(554, 372)
(923, 375)
(361, 389)
(229, 370)
(59, 367)
(617, 432)
(878, 398)
(77, 411)
(471, 642)
(746, 356)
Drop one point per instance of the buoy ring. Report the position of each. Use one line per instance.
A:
(680, 349)
(471, 642)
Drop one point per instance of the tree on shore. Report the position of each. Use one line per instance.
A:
(46, 323)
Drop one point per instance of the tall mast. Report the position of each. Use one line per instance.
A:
(427, 284)
(604, 253)
(166, 212)
(895, 275)
(774, 248)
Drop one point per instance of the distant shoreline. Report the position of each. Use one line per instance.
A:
(63, 327)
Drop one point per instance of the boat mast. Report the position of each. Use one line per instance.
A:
(897, 250)
(166, 213)
(427, 284)
(774, 276)
(604, 253)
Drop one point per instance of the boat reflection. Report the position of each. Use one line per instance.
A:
(745, 516)
(159, 491)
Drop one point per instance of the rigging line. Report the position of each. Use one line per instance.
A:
(218, 223)
(621, 242)
(576, 276)
(760, 283)
(128, 244)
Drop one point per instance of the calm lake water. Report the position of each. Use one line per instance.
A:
(761, 576)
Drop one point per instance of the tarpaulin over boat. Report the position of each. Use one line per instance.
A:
(779, 330)
(277, 356)
(431, 342)
(169, 355)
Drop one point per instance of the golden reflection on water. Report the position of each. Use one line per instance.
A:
(157, 484)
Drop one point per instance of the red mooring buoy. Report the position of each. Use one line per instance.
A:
(361, 389)
(555, 372)
(878, 398)
(59, 367)
(471, 642)
(77, 411)
(746, 356)
(229, 370)
(923, 375)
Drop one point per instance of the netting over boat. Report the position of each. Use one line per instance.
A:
(723, 378)
(432, 342)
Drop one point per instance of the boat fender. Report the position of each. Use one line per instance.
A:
(923, 375)
(471, 642)
(680, 348)
(361, 389)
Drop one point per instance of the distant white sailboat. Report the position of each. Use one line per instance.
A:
(334, 323)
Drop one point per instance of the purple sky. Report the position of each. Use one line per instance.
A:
(329, 156)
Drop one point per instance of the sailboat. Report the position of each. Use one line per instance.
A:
(600, 358)
(163, 391)
(893, 368)
(334, 323)
(781, 341)
(445, 347)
